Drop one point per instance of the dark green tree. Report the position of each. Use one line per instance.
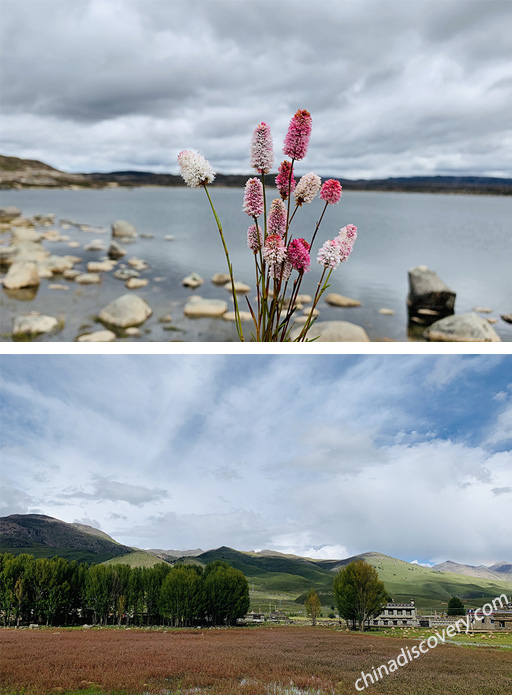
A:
(225, 593)
(360, 595)
(180, 595)
(455, 606)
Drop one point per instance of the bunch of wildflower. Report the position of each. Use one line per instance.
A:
(276, 223)
(262, 150)
(298, 255)
(195, 169)
(253, 198)
(331, 191)
(297, 138)
(285, 184)
(255, 238)
(307, 188)
(349, 233)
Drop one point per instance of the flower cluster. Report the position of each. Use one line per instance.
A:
(195, 169)
(285, 184)
(298, 255)
(276, 223)
(331, 191)
(307, 188)
(274, 251)
(255, 238)
(297, 138)
(253, 199)
(262, 150)
(334, 251)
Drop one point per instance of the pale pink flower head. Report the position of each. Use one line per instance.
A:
(331, 191)
(348, 234)
(297, 138)
(274, 250)
(307, 188)
(281, 271)
(276, 223)
(253, 198)
(329, 254)
(298, 255)
(195, 169)
(283, 183)
(346, 247)
(255, 238)
(262, 149)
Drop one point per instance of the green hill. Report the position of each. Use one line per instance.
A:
(44, 536)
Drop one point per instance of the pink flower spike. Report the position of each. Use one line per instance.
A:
(195, 169)
(255, 238)
(331, 191)
(330, 253)
(253, 198)
(348, 233)
(262, 149)
(283, 179)
(298, 255)
(277, 218)
(307, 188)
(297, 138)
(274, 250)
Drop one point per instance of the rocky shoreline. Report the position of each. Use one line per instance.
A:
(99, 291)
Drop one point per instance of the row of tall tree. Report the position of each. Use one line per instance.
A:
(58, 592)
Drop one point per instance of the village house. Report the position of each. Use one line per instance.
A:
(397, 615)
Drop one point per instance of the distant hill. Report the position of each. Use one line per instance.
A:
(44, 536)
(500, 570)
(28, 173)
(271, 574)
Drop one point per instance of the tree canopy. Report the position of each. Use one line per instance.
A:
(360, 595)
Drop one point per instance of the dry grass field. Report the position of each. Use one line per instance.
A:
(261, 661)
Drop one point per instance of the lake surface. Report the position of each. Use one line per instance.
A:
(467, 240)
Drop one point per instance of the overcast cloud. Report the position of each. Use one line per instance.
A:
(321, 456)
(394, 87)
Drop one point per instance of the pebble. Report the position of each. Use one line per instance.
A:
(339, 300)
(136, 283)
(53, 286)
(387, 312)
(88, 279)
(97, 337)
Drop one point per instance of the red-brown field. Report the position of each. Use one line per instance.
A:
(264, 661)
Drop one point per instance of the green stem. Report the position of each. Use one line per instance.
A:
(230, 268)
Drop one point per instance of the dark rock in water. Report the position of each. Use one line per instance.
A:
(507, 318)
(462, 328)
(115, 250)
(126, 273)
(428, 292)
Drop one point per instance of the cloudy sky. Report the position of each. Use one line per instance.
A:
(325, 456)
(395, 87)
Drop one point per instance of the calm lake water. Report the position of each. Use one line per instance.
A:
(467, 240)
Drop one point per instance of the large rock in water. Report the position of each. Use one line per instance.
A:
(428, 291)
(22, 274)
(9, 213)
(33, 324)
(334, 332)
(122, 228)
(197, 308)
(128, 310)
(461, 329)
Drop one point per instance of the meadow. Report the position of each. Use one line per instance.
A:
(253, 661)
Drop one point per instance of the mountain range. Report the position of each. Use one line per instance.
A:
(30, 173)
(272, 575)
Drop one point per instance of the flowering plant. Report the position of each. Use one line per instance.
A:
(277, 254)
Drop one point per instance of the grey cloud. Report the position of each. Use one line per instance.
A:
(501, 490)
(107, 489)
(392, 86)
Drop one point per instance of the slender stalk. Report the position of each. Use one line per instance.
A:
(318, 225)
(230, 268)
(318, 294)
